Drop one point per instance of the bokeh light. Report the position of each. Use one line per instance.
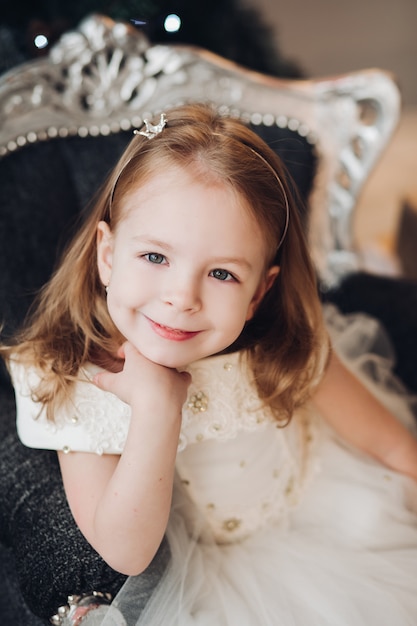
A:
(172, 23)
(41, 41)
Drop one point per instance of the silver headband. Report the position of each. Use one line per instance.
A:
(284, 193)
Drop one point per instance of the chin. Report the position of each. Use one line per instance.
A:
(168, 361)
(176, 361)
(179, 356)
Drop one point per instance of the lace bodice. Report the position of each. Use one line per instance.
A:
(238, 466)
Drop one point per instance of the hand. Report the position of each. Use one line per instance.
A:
(143, 384)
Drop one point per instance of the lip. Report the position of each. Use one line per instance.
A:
(173, 334)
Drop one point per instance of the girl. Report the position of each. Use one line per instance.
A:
(180, 362)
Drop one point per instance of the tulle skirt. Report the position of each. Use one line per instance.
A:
(347, 556)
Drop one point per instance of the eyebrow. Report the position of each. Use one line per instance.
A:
(152, 242)
(217, 261)
(233, 260)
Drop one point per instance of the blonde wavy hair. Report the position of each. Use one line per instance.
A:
(69, 323)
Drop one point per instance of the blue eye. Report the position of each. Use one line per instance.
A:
(221, 274)
(154, 257)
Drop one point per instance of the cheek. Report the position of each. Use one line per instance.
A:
(114, 311)
(250, 311)
(237, 313)
(233, 331)
(120, 296)
(124, 281)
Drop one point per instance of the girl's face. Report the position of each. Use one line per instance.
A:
(185, 268)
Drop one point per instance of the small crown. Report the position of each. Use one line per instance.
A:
(152, 130)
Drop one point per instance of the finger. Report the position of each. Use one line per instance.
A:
(104, 380)
(186, 376)
(121, 351)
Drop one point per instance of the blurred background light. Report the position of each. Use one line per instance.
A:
(172, 23)
(41, 41)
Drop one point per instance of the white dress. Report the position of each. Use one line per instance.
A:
(269, 526)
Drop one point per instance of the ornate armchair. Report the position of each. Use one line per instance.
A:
(64, 120)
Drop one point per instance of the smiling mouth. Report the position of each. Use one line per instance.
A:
(173, 334)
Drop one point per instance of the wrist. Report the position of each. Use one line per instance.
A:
(156, 412)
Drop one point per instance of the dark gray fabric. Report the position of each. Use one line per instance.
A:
(13, 609)
(43, 190)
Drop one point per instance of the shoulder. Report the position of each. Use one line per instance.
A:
(91, 421)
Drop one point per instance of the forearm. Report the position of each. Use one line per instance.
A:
(132, 514)
(401, 456)
(121, 504)
(360, 418)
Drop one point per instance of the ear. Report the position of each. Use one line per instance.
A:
(264, 286)
(104, 252)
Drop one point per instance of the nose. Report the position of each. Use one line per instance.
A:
(183, 293)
